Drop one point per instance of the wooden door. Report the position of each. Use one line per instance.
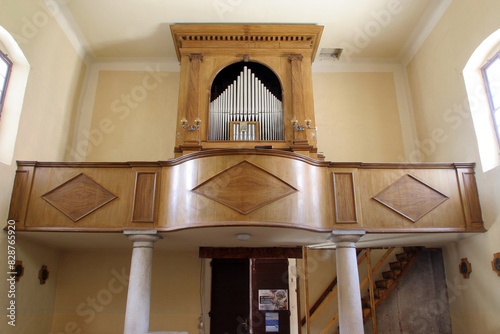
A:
(230, 301)
(270, 296)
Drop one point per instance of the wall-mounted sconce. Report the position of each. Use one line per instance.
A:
(191, 127)
(495, 264)
(465, 268)
(194, 127)
(300, 128)
(18, 269)
(43, 274)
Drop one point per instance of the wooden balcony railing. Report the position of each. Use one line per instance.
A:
(254, 187)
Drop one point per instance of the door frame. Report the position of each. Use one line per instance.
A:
(291, 254)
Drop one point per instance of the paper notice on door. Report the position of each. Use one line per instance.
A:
(273, 300)
(272, 322)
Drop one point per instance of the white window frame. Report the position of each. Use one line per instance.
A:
(487, 86)
(4, 83)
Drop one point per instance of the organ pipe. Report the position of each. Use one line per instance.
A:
(247, 110)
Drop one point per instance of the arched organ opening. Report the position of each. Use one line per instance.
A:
(249, 108)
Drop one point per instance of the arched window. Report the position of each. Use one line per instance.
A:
(485, 58)
(5, 69)
(491, 77)
(246, 104)
(12, 102)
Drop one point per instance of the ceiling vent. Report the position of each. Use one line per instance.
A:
(333, 53)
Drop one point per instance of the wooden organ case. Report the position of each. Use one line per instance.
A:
(246, 86)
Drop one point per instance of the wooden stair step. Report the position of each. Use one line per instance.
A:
(396, 265)
(404, 257)
(366, 313)
(382, 284)
(365, 303)
(389, 275)
(379, 293)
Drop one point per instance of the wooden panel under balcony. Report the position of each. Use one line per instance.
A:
(245, 187)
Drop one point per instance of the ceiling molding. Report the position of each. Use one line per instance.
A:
(356, 65)
(422, 30)
(66, 21)
(426, 24)
(163, 64)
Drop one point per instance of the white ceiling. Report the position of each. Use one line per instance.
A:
(141, 28)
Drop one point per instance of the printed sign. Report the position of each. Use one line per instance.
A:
(273, 300)
(272, 322)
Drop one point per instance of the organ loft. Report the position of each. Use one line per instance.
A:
(244, 89)
(246, 86)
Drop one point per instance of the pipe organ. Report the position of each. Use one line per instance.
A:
(254, 101)
(246, 111)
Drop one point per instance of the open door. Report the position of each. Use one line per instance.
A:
(250, 291)
(230, 301)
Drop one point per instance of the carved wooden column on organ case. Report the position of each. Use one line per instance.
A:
(298, 96)
(193, 101)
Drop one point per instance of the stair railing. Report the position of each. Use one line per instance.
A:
(320, 305)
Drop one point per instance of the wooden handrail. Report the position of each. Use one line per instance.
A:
(306, 286)
(371, 287)
(365, 281)
(330, 324)
(377, 266)
(329, 291)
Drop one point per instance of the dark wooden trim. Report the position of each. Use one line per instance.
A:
(419, 230)
(247, 151)
(250, 253)
(239, 223)
(266, 224)
(243, 151)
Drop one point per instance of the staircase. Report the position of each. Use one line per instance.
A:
(382, 288)
(378, 290)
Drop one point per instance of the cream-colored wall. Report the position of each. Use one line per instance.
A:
(441, 106)
(34, 301)
(131, 121)
(321, 271)
(52, 93)
(175, 305)
(92, 295)
(134, 117)
(357, 117)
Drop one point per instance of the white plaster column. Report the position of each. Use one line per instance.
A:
(139, 286)
(349, 296)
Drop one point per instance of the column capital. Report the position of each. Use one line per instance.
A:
(195, 56)
(143, 236)
(348, 236)
(295, 57)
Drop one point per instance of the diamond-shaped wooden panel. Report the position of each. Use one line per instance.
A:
(78, 197)
(410, 197)
(244, 187)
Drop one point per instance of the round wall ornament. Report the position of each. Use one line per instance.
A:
(495, 264)
(465, 268)
(43, 274)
